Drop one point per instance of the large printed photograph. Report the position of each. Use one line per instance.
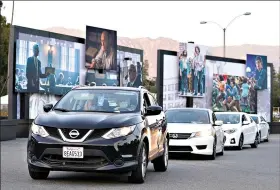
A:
(46, 65)
(101, 49)
(192, 70)
(171, 98)
(233, 93)
(130, 69)
(256, 70)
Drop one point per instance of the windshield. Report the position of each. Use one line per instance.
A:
(187, 116)
(228, 118)
(100, 100)
(255, 118)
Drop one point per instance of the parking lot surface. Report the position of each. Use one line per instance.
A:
(248, 169)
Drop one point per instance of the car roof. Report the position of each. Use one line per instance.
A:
(230, 113)
(204, 109)
(106, 88)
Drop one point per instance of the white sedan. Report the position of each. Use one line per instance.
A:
(196, 131)
(239, 128)
(263, 127)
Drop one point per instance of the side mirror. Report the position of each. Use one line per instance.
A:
(153, 110)
(47, 107)
(218, 123)
(245, 123)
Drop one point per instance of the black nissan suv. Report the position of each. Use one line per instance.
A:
(99, 129)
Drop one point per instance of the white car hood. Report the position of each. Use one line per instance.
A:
(187, 127)
(230, 126)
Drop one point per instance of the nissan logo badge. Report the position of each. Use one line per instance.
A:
(74, 133)
(175, 136)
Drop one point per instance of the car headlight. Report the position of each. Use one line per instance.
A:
(205, 133)
(39, 130)
(230, 131)
(119, 132)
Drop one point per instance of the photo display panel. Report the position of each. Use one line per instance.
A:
(256, 70)
(192, 69)
(46, 65)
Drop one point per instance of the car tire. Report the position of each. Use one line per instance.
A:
(256, 142)
(222, 152)
(267, 138)
(241, 142)
(36, 174)
(213, 156)
(260, 138)
(139, 174)
(161, 163)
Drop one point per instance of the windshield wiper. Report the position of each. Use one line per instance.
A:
(61, 109)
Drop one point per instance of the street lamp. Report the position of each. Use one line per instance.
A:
(225, 28)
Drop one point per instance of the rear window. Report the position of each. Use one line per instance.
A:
(228, 118)
(187, 116)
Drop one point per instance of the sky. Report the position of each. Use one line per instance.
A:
(178, 20)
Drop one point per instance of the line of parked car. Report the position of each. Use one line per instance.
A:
(123, 129)
(201, 131)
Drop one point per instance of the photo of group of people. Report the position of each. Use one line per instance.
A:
(101, 49)
(233, 93)
(130, 69)
(191, 70)
(256, 69)
(46, 65)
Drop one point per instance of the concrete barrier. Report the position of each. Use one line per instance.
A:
(274, 127)
(8, 130)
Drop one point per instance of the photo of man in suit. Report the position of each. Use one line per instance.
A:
(134, 78)
(33, 71)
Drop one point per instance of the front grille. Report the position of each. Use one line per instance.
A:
(179, 135)
(82, 132)
(97, 133)
(53, 132)
(87, 161)
(180, 148)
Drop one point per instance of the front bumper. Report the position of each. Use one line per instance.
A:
(232, 139)
(100, 155)
(197, 145)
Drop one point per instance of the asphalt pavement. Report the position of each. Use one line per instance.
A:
(249, 169)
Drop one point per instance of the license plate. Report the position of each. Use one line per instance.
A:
(73, 152)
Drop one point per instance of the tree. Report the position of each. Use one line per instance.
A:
(149, 84)
(4, 51)
(276, 88)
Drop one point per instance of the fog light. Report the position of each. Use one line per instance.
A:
(118, 162)
(232, 141)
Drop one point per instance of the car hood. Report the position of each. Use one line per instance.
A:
(187, 127)
(230, 126)
(87, 120)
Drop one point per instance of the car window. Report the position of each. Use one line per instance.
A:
(262, 119)
(152, 99)
(214, 117)
(228, 118)
(187, 116)
(146, 102)
(100, 100)
(256, 119)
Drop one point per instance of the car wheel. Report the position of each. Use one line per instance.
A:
(259, 138)
(161, 163)
(36, 174)
(266, 139)
(256, 142)
(241, 141)
(222, 153)
(213, 156)
(139, 175)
